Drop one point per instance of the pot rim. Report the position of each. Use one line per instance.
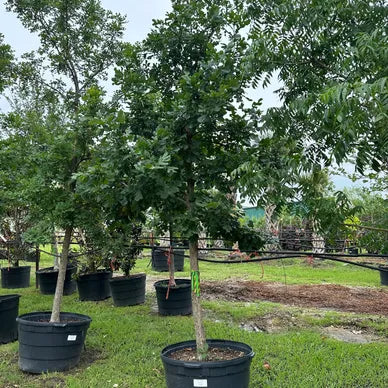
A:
(13, 267)
(182, 282)
(52, 270)
(198, 364)
(9, 296)
(22, 319)
(130, 277)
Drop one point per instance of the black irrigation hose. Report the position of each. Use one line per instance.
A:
(73, 255)
(349, 262)
(273, 252)
(293, 255)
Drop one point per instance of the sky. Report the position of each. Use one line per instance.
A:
(139, 22)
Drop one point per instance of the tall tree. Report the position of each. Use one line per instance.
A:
(187, 80)
(79, 42)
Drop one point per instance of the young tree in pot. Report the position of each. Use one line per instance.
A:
(15, 275)
(198, 72)
(127, 290)
(79, 41)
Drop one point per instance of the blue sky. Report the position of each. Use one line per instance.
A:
(139, 22)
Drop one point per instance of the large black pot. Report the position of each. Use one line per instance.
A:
(383, 269)
(179, 298)
(160, 263)
(128, 291)
(179, 259)
(15, 277)
(30, 257)
(214, 374)
(47, 280)
(51, 347)
(94, 286)
(9, 310)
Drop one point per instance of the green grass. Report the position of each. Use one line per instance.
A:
(123, 344)
(291, 271)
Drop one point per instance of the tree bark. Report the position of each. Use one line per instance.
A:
(55, 314)
(171, 266)
(55, 250)
(200, 336)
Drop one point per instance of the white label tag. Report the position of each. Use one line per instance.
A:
(200, 383)
(71, 337)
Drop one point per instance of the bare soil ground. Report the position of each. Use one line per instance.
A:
(328, 296)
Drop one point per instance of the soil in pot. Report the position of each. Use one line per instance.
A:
(15, 277)
(47, 280)
(228, 366)
(50, 347)
(9, 310)
(128, 290)
(179, 297)
(383, 269)
(94, 286)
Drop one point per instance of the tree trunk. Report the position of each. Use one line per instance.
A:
(271, 227)
(318, 242)
(171, 266)
(55, 250)
(196, 301)
(55, 314)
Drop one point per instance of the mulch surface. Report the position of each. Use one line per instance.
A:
(327, 296)
(214, 354)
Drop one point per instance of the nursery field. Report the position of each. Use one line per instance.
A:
(318, 324)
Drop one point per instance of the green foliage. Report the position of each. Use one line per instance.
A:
(185, 85)
(6, 57)
(58, 110)
(372, 212)
(331, 58)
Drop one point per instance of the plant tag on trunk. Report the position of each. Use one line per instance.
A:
(200, 383)
(71, 337)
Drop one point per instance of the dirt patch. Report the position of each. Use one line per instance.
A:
(347, 335)
(274, 322)
(328, 296)
(88, 356)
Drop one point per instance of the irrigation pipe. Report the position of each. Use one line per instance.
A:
(293, 255)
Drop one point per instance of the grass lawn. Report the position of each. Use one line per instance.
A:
(123, 344)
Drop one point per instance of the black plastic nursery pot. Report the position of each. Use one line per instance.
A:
(179, 297)
(9, 310)
(47, 280)
(160, 263)
(128, 291)
(15, 277)
(179, 259)
(30, 257)
(383, 269)
(51, 347)
(213, 374)
(159, 260)
(94, 286)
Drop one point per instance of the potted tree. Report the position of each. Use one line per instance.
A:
(14, 275)
(59, 123)
(194, 65)
(127, 290)
(94, 269)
